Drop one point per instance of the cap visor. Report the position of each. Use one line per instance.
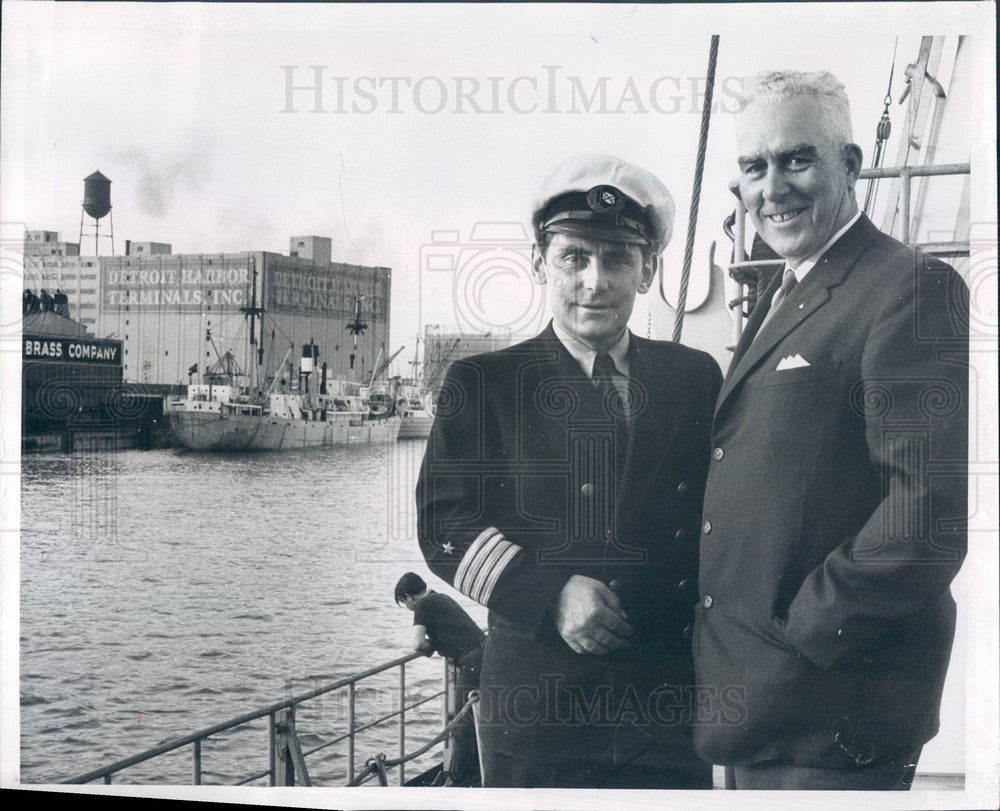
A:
(593, 230)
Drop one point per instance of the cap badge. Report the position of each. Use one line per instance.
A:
(605, 198)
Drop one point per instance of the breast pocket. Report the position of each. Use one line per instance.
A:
(801, 374)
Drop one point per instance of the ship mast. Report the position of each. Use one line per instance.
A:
(252, 312)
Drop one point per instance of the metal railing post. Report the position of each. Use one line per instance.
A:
(350, 731)
(740, 255)
(271, 748)
(284, 767)
(402, 720)
(905, 177)
(197, 762)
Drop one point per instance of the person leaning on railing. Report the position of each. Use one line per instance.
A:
(441, 625)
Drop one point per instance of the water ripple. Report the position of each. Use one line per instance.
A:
(155, 611)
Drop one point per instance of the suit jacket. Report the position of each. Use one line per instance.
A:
(517, 494)
(835, 513)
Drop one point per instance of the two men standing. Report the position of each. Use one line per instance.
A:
(563, 480)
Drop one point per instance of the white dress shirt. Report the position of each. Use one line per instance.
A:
(809, 262)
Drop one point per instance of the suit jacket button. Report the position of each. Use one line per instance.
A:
(587, 489)
(707, 602)
(706, 527)
(717, 454)
(680, 535)
(682, 488)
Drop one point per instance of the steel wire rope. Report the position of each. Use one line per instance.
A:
(706, 114)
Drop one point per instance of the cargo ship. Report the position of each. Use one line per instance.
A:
(222, 413)
(228, 418)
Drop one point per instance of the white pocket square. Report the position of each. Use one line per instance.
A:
(792, 362)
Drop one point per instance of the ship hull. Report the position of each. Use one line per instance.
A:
(238, 433)
(416, 425)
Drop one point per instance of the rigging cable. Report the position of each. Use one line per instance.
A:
(882, 131)
(706, 114)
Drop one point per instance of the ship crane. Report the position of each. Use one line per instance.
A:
(381, 367)
(356, 327)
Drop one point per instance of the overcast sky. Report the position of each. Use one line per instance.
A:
(186, 109)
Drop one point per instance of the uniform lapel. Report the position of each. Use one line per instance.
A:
(653, 424)
(804, 300)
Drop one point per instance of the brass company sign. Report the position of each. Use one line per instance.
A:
(72, 350)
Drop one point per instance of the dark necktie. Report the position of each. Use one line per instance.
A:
(604, 373)
(788, 282)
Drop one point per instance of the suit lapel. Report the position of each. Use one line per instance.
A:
(802, 302)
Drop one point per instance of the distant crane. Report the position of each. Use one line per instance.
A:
(381, 367)
(431, 375)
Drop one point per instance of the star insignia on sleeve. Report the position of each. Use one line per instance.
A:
(448, 548)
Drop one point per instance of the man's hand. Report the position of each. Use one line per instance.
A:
(421, 644)
(589, 617)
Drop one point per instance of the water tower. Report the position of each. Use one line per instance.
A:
(96, 205)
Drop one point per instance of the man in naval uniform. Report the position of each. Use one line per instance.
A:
(835, 510)
(561, 488)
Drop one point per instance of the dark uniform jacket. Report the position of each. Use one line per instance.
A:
(835, 513)
(516, 494)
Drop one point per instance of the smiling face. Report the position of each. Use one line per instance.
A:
(594, 284)
(797, 185)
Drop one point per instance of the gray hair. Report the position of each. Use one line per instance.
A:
(777, 85)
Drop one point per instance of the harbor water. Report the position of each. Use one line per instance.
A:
(165, 591)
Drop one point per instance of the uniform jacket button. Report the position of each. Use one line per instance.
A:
(615, 585)
(688, 631)
(680, 535)
(717, 454)
(682, 585)
(706, 527)
(707, 602)
(587, 489)
(682, 488)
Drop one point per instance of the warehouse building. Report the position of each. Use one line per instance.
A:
(178, 315)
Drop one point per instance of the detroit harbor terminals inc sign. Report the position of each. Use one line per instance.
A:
(179, 288)
(193, 284)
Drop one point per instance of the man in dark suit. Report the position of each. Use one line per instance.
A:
(561, 488)
(835, 508)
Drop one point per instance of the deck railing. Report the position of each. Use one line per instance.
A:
(286, 759)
